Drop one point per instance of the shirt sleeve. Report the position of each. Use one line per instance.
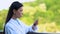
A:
(28, 28)
(31, 30)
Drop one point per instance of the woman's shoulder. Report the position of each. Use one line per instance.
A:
(10, 23)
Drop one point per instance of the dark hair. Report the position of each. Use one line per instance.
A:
(15, 5)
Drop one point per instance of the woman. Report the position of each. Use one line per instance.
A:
(13, 25)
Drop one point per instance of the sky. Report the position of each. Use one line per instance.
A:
(4, 4)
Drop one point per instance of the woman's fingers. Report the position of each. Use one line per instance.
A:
(36, 23)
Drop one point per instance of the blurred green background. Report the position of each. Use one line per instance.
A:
(46, 11)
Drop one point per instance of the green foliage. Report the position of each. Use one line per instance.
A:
(3, 14)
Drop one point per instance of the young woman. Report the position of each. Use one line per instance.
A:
(13, 25)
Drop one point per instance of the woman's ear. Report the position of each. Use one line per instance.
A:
(14, 11)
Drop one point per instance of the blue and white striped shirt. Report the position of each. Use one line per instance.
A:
(15, 26)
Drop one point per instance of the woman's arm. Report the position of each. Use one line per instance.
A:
(33, 27)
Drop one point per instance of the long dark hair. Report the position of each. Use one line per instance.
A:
(15, 5)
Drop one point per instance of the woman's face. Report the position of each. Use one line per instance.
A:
(18, 13)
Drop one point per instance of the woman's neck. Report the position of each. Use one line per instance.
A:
(14, 17)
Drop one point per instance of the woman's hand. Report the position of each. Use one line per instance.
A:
(35, 24)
